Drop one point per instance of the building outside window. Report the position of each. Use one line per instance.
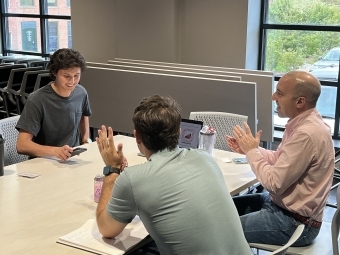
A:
(52, 36)
(38, 30)
(52, 3)
(26, 2)
(304, 35)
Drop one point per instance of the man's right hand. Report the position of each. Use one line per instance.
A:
(63, 153)
(111, 155)
(233, 145)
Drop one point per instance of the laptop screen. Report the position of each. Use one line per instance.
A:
(189, 137)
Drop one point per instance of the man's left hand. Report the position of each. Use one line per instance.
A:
(111, 156)
(246, 140)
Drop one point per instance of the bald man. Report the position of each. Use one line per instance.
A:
(297, 176)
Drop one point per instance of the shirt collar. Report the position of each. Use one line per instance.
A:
(163, 153)
(295, 122)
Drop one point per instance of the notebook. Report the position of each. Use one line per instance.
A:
(88, 238)
(189, 137)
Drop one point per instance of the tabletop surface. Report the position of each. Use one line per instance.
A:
(36, 212)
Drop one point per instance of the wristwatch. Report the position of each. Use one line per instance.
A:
(109, 170)
(88, 140)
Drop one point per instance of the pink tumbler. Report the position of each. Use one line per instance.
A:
(98, 184)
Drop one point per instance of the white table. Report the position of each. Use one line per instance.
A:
(35, 212)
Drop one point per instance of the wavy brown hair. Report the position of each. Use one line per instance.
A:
(65, 59)
(157, 120)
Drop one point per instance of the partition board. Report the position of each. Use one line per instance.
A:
(165, 71)
(264, 92)
(114, 94)
(216, 68)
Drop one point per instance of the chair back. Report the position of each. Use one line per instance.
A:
(222, 122)
(42, 80)
(10, 134)
(42, 63)
(5, 71)
(10, 92)
(27, 61)
(28, 83)
(17, 75)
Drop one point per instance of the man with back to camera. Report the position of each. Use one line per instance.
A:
(56, 116)
(298, 175)
(179, 194)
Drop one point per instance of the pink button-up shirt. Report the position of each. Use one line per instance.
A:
(298, 175)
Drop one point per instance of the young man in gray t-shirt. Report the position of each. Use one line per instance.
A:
(56, 117)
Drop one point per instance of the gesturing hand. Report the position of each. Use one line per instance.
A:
(111, 156)
(245, 140)
(233, 145)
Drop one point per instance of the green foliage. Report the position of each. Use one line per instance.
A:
(287, 49)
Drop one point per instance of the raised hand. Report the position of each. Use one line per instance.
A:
(111, 155)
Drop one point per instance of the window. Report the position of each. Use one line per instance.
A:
(68, 3)
(52, 36)
(305, 35)
(52, 3)
(35, 31)
(26, 2)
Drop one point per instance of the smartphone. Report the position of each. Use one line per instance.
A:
(240, 160)
(77, 151)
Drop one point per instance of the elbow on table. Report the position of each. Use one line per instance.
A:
(107, 232)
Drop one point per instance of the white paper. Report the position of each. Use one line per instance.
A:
(89, 238)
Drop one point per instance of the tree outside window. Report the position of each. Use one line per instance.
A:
(305, 35)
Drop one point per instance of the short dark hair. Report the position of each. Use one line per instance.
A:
(157, 120)
(65, 59)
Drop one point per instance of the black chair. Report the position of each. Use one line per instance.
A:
(42, 63)
(27, 87)
(5, 71)
(11, 90)
(2, 58)
(42, 80)
(27, 61)
(13, 60)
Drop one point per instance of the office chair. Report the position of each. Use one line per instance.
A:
(5, 71)
(222, 122)
(10, 134)
(42, 63)
(27, 87)
(42, 80)
(326, 243)
(11, 90)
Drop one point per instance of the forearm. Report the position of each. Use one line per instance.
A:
(106, 193)
(105, 196)
(33, 149)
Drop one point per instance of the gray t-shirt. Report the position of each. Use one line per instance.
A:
(183, 201)
(53, 120)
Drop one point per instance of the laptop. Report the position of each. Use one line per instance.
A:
(189, 137)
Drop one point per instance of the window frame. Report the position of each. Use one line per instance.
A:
(43, 17)
(264, 27)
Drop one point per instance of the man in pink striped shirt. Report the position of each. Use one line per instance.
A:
(297, 176)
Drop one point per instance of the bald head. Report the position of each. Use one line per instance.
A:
(305, 85)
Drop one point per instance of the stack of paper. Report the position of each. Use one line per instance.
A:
(89, 238)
